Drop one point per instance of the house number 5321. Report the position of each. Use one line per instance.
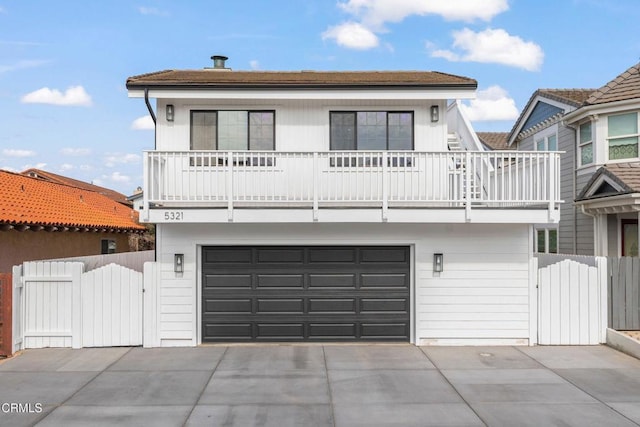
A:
(174, 216)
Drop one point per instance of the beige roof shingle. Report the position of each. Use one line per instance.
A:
(625, 86)
(495, 140)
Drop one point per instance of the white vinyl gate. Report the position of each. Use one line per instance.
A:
(57, 304)
(572, 301)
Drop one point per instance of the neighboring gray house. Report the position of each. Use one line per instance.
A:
(597, 131)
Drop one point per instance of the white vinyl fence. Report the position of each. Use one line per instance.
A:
(57, 304)
(572, 300)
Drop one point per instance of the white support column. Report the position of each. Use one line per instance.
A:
(315, 186)
(230, 185)
(385, 186)
(467, 185)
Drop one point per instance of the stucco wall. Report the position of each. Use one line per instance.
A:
(17, 247)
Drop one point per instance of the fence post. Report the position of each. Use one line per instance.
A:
(5, 312)
(17, 316)
(533, 301)
(76, 304)
(150, 322)
(604, 303)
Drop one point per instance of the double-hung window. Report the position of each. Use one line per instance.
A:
(623, 136)
(585, 144)
(233, 130)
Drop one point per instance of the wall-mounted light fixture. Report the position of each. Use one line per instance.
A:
(178, 263)
(438, 263)
(169, 112)
(435, 113)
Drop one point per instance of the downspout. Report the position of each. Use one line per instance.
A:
(596, 227)
(574, 178)
(151, 113)
(155, 147)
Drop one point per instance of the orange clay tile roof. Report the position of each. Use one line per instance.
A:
(59, 179)
(31, 201)
(495, 140)
(297, 79)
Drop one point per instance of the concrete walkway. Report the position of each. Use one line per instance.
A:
(314, 385)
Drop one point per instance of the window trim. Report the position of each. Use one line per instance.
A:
(387, 112)
(581, 144)
(623, 222)
(544, 136)
(546, 240)
(636, 135)
(273, 112)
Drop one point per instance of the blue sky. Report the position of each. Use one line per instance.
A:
(63, 64)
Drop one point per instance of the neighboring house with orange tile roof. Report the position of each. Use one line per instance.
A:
(43, 220)
(60, 179)
(598, 131)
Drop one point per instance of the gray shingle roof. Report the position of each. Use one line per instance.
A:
(495, 140)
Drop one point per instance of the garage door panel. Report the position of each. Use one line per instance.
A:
(317, 281)
(227, 305)
(227, 281)
(280, 281)
(228, 331)
(332, 305)
(333, 330)
(384, 255)
(280, 255)
(384, 330)
(225, 255)
(332, 255)
(272, 305)
(306, 293)
(280, 331)
(384, 305)
(382, 280)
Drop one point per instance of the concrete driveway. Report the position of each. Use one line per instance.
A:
(321, 385)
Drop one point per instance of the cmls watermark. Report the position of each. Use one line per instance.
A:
(21, 408)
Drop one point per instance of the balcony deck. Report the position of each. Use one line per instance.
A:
(356, 186)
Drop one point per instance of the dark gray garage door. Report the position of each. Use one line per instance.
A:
(315, 293)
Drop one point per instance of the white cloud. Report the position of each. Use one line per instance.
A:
(10, 152)
(66, 167)
(75, 152)
(117, 177)
(374, 13)
(2, 10)
(491, 104)
(492, 46)
(254, 64)
(21, 65)
(352, 35)
(86, 167)
(143, 123)
(152, 11)
(9, 169)
(113, 159)
(73, 96)
(36, 166)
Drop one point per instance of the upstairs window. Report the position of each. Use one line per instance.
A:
(623, 136)
(371, 130)
(233, 130)
(585, 144)
(547, 143)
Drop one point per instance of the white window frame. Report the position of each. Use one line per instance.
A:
(546, 240)
(636, 135)
(581, 145)
(544, 136)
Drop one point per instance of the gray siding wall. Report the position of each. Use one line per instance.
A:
(566, 229)
(584, 222)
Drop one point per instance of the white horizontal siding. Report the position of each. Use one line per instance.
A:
(483, 292)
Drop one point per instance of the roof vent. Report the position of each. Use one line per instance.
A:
(219, 63)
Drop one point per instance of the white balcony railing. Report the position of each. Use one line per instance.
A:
(497, 179)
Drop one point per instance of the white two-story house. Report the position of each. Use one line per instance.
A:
(336, 206)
